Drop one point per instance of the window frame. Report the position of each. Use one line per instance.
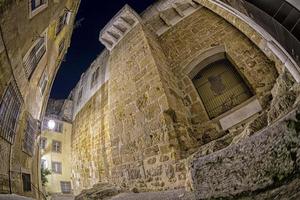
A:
(43, 145)
(10, 109)
(43, 83)
(63, 183)
(54, 148)
(200, 61)
(62, 21)
(233, 70)
(30, 133)
(54, 163)
(28, 58)
(34, 11)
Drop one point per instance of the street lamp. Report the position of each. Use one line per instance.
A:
(51, 124)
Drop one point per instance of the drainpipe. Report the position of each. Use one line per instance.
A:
(10, 145)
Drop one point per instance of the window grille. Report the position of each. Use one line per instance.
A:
(220, 87)
(65, 187)
(56, 146)
(56, 167)
(37, 3)
(43, 142)
(26, 182)
(34, 56)
(9, 113)
(62, 21)
(61, 46)
(43, 83)
(30, 134)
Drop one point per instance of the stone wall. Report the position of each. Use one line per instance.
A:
(268, 159)
(154, 118)
(91, 156)
(144, 145)
(202, 31)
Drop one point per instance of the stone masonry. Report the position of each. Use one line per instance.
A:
(146, 128)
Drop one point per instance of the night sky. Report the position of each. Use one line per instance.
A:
(85, 46)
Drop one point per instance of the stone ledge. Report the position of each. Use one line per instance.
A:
(124, 21)
(263, 160)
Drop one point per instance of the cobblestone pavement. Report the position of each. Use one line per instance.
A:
(13, 197)
(166, 195)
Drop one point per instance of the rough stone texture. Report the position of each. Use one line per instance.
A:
(264, 160)
(144, 143)
(91, 143)
(165, 195)
(152, 114)
(199, 32)
(99, 191)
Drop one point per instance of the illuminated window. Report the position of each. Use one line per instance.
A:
(220, 87)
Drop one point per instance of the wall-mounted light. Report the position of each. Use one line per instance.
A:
(51, 124)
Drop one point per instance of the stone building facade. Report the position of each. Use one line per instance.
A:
(34, 36)
(175, 85)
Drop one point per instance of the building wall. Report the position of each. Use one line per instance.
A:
(91, 152)
(193, 37)
(18, 34)
(139, 128)
(53, 185)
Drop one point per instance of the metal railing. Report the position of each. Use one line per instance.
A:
(41, 194)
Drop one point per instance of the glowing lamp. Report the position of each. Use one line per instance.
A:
(51, 124)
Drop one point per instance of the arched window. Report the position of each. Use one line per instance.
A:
(221, 87)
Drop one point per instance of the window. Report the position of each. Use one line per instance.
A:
(220, 87)
(43, 164)
(56, 146)
(43, 143)
(43, 83)
(34, 56)
(30, 133)
(62, 21)
(65, 187)
(61, 46)
(79, 96)
(37, 6)
(56, 167)
(26, 182)
(95, 77)
(37, 3)
(9, 113)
